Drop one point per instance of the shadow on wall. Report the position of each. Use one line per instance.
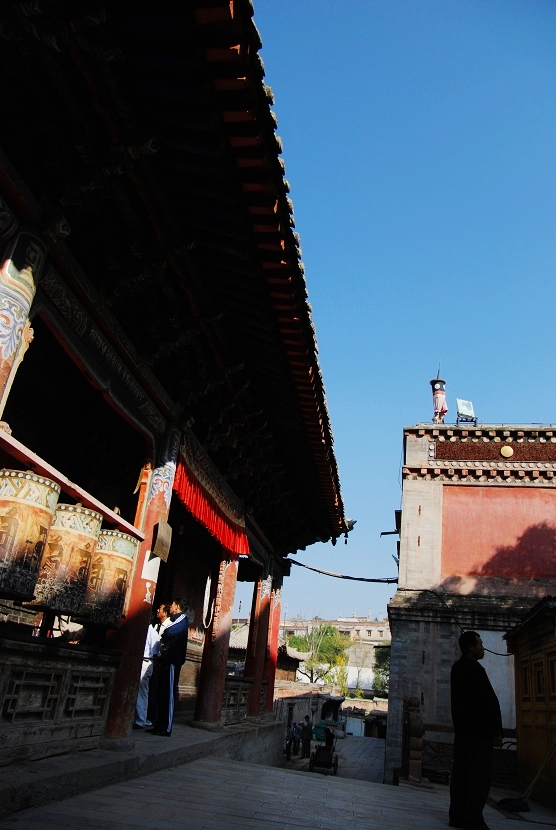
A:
(532, 558)
(534, 555)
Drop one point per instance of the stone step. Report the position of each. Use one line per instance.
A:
(49, 779)
(220, 794)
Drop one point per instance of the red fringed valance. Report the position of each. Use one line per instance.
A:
(231, 535)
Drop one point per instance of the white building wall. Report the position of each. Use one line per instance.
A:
(421, 535)
(366, 677)
(356, 726)
(500, 670)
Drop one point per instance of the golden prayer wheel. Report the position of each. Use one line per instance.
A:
(108, 578)
(66, 560)
(27, 504)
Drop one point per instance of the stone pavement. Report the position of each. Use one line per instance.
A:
(359, 758)
(31, 783)
(215, 794)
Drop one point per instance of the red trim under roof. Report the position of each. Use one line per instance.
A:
(231, 534)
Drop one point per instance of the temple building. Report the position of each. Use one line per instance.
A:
(164, 423)
(477, 551)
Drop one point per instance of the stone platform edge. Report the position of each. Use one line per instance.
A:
(32, 783)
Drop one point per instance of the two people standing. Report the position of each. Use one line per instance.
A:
(165, 654)
(299, 734)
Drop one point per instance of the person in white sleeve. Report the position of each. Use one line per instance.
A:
(154, 633)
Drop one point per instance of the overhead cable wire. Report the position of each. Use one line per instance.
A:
(390, 581)
(387, 581)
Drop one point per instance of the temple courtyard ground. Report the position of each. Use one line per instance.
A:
(220, 794)
(358, 758)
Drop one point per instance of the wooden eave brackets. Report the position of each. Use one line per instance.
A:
(231, 44)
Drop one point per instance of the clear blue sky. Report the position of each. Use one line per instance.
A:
(420, 145)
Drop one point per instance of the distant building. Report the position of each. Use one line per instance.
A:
(365, 635)
(477, 544)
(288, 659)
(365, 718)
(292, 701)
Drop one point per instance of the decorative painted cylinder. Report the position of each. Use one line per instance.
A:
(27, 504)
(66, 560)
(110, 573)
(21, 266)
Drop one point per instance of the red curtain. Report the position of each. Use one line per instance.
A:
(202, 505)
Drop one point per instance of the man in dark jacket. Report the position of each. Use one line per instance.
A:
(296, 738)
(477, 727)
(170, 659)
(306, 735)
(289, 741)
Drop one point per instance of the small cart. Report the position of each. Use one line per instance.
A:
(325, 756)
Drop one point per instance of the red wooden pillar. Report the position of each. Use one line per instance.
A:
(130, 637)
(257, 643)
(273, 636)
(210, 696)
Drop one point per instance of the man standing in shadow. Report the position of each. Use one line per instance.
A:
(478, 728)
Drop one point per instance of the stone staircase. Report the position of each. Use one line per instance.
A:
(221, 794)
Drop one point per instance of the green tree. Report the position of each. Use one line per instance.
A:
(381, 669)
(360, 657)
(341, 673)
(326, 644)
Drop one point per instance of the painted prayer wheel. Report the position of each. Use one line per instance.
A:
(66, 560)
(27, 504)
(108, 578)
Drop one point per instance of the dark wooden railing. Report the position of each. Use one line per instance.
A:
(236, 691)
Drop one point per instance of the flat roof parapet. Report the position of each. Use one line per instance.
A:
(492, 454)
(484, 432)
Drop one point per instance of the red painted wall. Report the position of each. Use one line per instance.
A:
(498, 531)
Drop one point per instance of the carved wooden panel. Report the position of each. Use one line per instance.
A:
(31, 695)
(53, 697)
(234, 707)
(87, 696)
